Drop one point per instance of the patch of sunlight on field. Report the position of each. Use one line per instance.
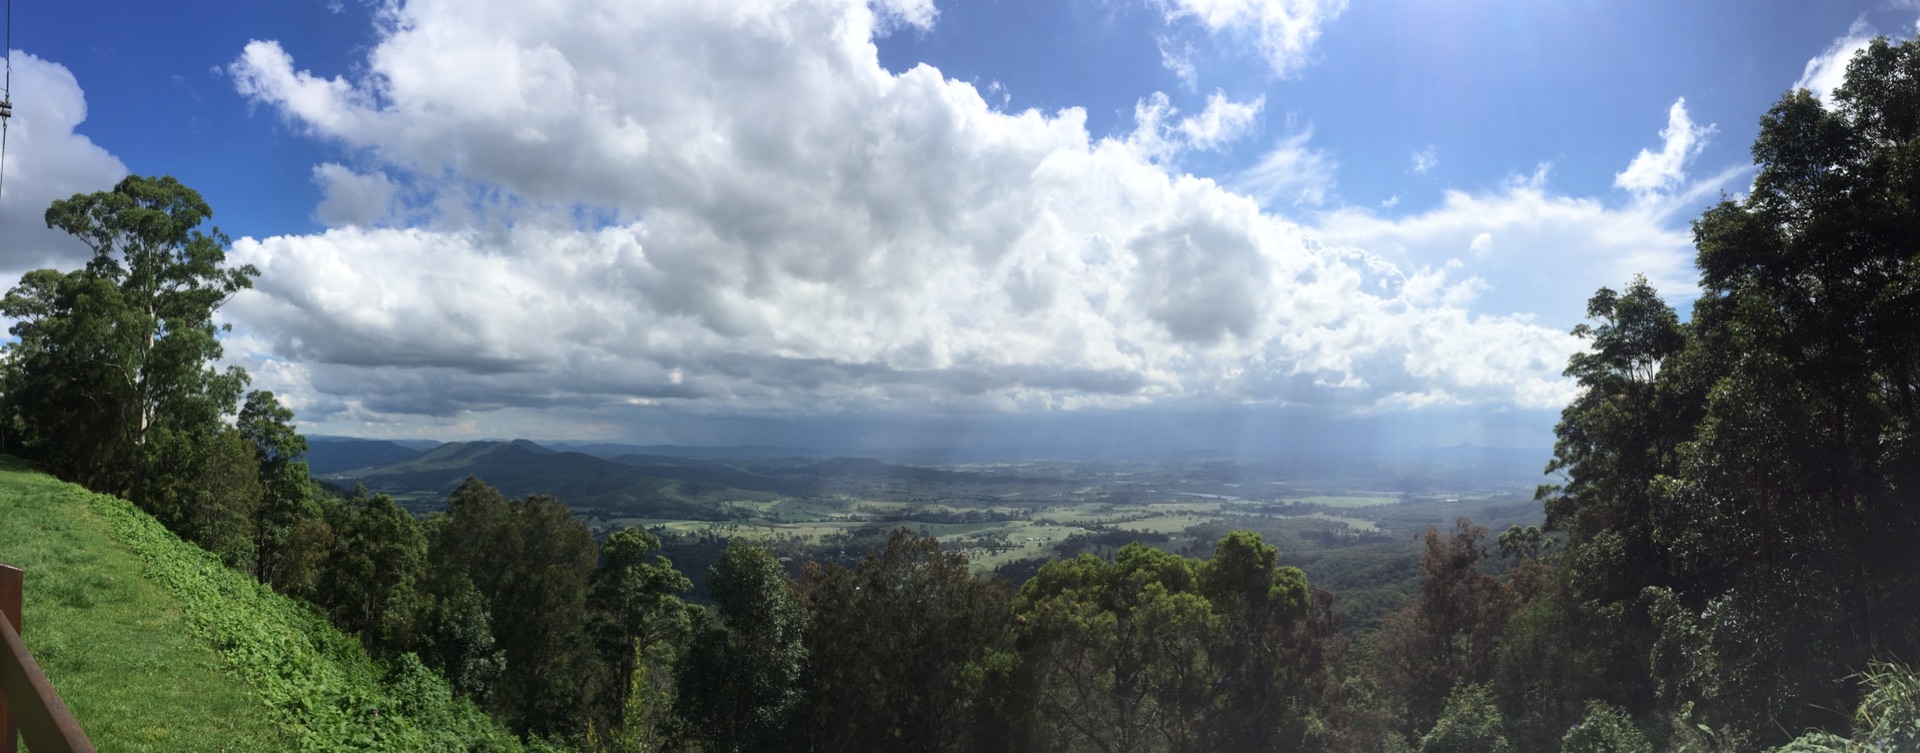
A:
(1027, 540)
(1357, 524)
(1333, 501)
(1165, 524)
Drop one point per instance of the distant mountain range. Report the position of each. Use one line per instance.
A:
(639, 480)
(329, 455)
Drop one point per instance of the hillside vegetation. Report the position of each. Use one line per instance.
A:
(155, 645)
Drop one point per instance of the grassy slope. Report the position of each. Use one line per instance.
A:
(112, 642)
(156, 646)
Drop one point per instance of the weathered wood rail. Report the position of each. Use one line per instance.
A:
(28, 706)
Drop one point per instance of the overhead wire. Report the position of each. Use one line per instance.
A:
(6, 101)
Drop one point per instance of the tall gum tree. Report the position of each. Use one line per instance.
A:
(123, 347)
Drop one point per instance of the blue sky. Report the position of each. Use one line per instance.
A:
(705, 222)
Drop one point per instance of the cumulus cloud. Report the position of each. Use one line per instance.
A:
(1542, 250)
(733, 205)
(46, 159)
(1653, 174)
(1826, 71)
(1283, 30)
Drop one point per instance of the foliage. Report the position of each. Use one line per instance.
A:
(111, 640)
(319, 683)
(110, 382)
(1450, 635)
(1154, 651)
(640, 626)
(894, 647)
(1470, 723)
(740, 680)
(1888, 718)
(285, 493)
(1606, 729)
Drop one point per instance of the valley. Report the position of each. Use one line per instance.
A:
(1351, 527)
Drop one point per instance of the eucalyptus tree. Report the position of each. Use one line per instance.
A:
(285, 487)
(112, 380)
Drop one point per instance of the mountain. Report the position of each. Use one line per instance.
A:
(611, 450)
(679, 482)
(330, 455)
(520, 468)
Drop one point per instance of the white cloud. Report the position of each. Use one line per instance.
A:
(915, 13)
(1292, 172)
(1425, 159)
(349, 198)
(1826, 71)
(1158, 136)
(1180, 62)
(1222, 121)
(1652, 175)
(1283, 30)
(1553, 250)
(733, 205)
(46, 159)
(1482, 246)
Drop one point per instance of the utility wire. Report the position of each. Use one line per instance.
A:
(6, 102)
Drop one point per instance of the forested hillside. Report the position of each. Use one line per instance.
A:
(1726, 563)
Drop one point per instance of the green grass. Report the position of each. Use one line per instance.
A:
(115, 645)
(1357, 524)
(157, 646)
(1166, 524)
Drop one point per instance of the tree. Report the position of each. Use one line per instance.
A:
(641, 626)
(1469, 724)
(894, 645)
(1158, 652)
(1272, 653)
(469, 551)
(740, 679)
(553, 676)
(267, 426)
(369, 582)
(1739, 508)
(110, 382)
(1450, 635)
(229, 495)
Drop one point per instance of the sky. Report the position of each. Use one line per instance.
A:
(1248, 226)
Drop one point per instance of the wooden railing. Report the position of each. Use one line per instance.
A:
(28, 706)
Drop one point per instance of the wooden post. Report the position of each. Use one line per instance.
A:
(34, 711)
(11, 582)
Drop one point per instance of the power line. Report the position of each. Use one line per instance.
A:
(6, 102)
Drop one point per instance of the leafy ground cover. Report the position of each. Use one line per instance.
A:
(114, 643)
(157, 646)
